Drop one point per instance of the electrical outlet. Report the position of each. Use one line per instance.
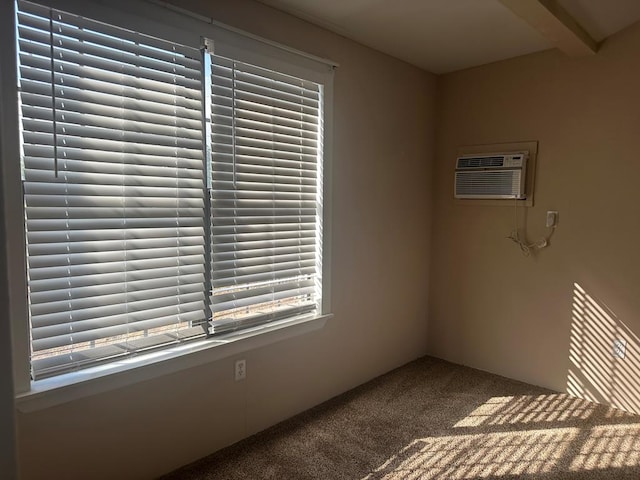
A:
(552, 218)
(619, 348)
(241, 370)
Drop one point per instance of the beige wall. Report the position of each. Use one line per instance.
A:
(7, 417)
(549, 320)
(383, 144)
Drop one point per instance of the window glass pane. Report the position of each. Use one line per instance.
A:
(266, 195)
(113, 182)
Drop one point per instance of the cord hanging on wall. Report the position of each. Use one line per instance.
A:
(521, 241)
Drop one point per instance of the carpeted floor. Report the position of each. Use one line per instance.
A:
(435, 420)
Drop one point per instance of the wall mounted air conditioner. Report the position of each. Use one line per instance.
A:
(489, 176)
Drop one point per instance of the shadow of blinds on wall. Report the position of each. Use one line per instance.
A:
(266, 207)
(113, 188)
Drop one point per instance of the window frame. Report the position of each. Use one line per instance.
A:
(173, 24)
(238, 291)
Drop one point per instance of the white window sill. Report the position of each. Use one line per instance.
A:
(91, 381)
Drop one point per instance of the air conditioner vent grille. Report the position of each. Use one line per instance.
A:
(489, 184)
(480, 162)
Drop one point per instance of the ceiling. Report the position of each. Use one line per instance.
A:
(446, 35)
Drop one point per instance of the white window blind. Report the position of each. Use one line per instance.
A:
(266, 195)
(113, 185)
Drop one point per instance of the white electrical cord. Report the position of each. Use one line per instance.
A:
(525, 247)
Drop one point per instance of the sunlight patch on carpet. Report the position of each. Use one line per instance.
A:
(461, 457)
(527, 409)
(609, 446)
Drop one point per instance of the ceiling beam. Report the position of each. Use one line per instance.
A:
(556, 24)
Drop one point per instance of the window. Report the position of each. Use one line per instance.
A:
(266, 195)
(169, 192)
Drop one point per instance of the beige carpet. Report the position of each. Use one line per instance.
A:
(434, 420)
